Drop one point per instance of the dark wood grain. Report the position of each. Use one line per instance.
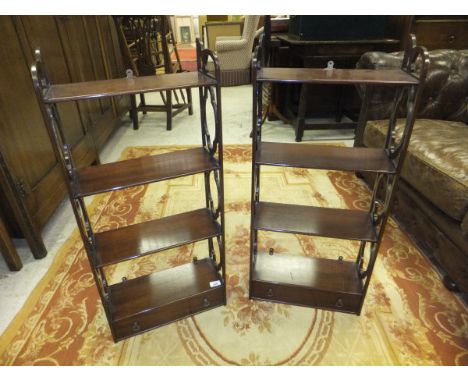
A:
(124, 86)
(139, 295)
(324, 157)
(306, 281)
(147, 169)
(441, 32)
(157, 235)
(336, 76)
(25, 142)
(8, 250)
(315, 221)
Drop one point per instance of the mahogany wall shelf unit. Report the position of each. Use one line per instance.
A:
(140, 304)
(335, 284)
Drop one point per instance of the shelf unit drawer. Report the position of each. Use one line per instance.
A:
(298, 295)
(307, 281)
(169, 313)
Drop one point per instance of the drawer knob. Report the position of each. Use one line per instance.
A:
(452, 38)
(136, 327)
(339, 303)
(270, 292)
(206, 302)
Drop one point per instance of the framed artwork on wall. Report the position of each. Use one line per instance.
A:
(184, 29)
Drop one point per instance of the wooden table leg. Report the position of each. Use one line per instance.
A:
(134, 111)
(299, 124)
(8, 249)
(169, 110)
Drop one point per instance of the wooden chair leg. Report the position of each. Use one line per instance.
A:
(143, 101)
(169, 110)
(300, 121)
(189, 101)
(8, 249)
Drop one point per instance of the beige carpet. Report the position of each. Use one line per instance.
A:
(408, 318)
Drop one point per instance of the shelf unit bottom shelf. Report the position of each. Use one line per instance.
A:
(148, 302)
(312, 282)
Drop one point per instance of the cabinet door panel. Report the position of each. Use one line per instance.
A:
(41, 31)
(106, 125)
(77, 56)
(24, 139)
(113, 59)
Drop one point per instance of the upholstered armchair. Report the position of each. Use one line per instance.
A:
(235, 54)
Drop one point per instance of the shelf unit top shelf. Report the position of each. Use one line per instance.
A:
(337, 76)
(147, 169)
(323, 157)
(125, 86)
(314, 273)
(315, 221)
(137, 240)
(156, 290)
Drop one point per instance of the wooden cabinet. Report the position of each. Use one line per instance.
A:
(441, 32)
(78, 48)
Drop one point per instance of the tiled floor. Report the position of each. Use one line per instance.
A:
(15, 287)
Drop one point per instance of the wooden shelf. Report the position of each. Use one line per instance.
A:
(123, 86)
(153, 236)
(151, 301)
(146, 302)
(133, 172)
(336, 76)
(306, 281)
(315, 221)
(324, 157)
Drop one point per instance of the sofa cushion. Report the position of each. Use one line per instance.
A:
(436, 164)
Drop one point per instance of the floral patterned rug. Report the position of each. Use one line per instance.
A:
(408, 318)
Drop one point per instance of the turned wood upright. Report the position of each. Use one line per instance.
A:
(328, 283)
(140, 304)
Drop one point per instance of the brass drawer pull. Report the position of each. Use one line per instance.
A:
(206, 302)
(270, 292)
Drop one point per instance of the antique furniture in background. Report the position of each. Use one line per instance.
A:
(13, 194)
(8, 250)
(213, 29)
(344, 47)
(432, 32)
(335, 284)
(147, 44)
(432, 199)
(80, 48)
(235, 53)
(441, 32)
(136, 305)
